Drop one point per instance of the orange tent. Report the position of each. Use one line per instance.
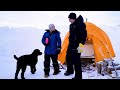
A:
(101, 44)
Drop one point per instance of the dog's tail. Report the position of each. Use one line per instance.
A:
(16, 57)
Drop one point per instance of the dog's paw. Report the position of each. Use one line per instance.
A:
(22, 77)
(33, 72)
(15, 78)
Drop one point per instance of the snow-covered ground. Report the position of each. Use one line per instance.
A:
(22, 41)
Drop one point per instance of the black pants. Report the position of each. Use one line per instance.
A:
(47, 63)
(73, 59)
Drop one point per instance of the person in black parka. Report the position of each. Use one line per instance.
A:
(78, 35)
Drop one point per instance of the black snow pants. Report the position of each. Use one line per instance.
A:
(73, 62)
(47, 58)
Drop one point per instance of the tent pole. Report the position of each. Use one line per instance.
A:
(86, 19)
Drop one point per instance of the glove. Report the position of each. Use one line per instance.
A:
(80, 48)
(58, 50)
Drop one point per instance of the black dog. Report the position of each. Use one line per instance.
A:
(27, 60)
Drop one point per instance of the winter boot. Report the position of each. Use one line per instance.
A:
(68, 73)
(76, 78)
(56, 72)
(46, 75)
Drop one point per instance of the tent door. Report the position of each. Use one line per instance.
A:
(88, 52)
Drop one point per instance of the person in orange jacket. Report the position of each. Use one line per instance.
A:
(77, 39)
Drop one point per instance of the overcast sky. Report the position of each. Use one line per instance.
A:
(41, 19)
